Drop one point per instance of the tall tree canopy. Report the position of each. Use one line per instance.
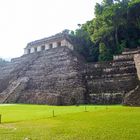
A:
(116, 26)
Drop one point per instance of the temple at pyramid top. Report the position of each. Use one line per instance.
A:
(60, 39)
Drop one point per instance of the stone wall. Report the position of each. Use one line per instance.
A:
(61, 76)
(60, 39)
(132, 98)
(108, 82)
(54, 77)
(137, 64)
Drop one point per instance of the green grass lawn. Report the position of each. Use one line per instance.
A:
(36, 122)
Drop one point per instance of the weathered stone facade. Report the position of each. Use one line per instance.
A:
(60, 76)
(132, 98)
(58, 40)
(52, 77)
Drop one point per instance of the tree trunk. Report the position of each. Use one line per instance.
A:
(116, 36)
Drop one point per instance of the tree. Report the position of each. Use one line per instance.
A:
(104, 53)
(107, 2)
(116, 24)
(84, 45)
(98, 9)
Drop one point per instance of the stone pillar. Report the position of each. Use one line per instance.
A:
(71, 47)
(67, 44)
(46, 46)
(54, 44)
(64, 43)
(25, 51)
(137, 64)
(38, 48)
(32, 50)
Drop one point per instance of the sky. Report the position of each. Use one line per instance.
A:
(23, 21)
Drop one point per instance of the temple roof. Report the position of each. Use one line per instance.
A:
(59, 36)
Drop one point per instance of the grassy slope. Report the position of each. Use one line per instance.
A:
(70, 123)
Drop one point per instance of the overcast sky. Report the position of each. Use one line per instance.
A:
(22, 21)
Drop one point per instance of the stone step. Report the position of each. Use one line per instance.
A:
(118, 76)
(112, 85)
(123, 57)
(123, 63)
(113, 64)
(132, 51)
(128, 69)
(111, 72)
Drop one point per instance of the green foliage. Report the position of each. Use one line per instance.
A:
(107, 2)
(104, 53)
(36, 122)
(84, 45)
(98, 9)
(116, 25)
(121, 47)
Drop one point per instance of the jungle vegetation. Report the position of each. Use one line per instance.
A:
(115, 26)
